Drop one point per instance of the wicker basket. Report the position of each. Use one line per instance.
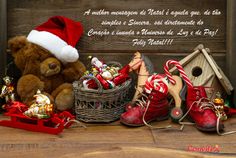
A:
(100, 105)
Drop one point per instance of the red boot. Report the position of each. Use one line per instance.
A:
(154, 107)
(201, 110)
(229, 111)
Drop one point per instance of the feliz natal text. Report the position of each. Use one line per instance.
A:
(151, 42)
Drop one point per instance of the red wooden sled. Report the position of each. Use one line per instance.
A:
(53, 125)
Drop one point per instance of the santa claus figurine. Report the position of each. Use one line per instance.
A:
(41, 108)
(108, 76)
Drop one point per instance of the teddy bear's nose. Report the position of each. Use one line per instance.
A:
(52, 65)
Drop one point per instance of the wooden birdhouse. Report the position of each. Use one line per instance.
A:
(203, 71)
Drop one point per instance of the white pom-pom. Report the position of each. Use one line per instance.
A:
(68, 54)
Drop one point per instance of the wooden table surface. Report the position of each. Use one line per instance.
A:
(115, 140)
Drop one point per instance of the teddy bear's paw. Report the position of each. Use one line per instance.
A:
(27, 87)
(64, 100)
(73, 71)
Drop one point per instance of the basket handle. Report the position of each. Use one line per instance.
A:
(100, 88)
(114, 63)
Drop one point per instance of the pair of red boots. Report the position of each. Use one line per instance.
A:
(156, 107)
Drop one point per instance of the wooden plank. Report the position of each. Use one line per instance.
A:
(3, 37)
(25, 15)
(186, 60)
(231, 43)
(158, 59)
(191, 137)
(102, 141)
(93, 134)
(109, 134)
(104, 151)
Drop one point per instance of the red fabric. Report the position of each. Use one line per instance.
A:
(92, 84)
(103, 82)
(120, 79)
(229, 111)
(123, 75)
(124, 70)
(15, 108)
(65, 28)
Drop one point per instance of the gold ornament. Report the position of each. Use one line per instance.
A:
(219, 102)
(110, 72)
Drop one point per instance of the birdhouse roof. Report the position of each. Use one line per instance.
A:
(217, 70)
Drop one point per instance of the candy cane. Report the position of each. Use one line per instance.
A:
(181, 70)
(157, 83)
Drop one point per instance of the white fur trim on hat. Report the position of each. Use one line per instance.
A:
(64, 52)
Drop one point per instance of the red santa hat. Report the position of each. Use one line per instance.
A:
(58, 35)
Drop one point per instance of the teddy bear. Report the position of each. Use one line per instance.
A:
(48, 62)
(41, 70)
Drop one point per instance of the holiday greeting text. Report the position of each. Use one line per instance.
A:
(152, 27)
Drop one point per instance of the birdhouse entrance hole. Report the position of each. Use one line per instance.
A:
(196, 71)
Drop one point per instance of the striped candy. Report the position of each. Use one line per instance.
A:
(157, 83)
(181, 70)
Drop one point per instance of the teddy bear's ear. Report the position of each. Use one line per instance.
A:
(16, 43)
